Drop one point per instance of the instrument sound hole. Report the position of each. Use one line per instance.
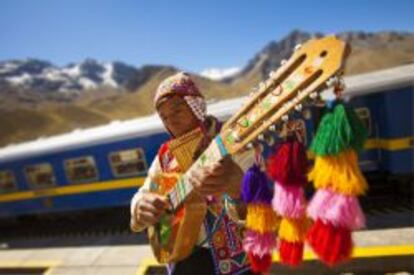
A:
(323, 54)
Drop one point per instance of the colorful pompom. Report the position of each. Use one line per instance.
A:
(289, 164)
(340, 210)
(289, 201)
(338, 179)
(261, 221)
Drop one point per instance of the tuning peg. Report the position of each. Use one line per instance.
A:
(272, 74)
(298, 46)
(262, 86)
(283, 62)
(272, 128)
(270, 140)
(285, 118)
(333, 81)
(255, 89)
(313, 95)
(236, 136)
(261, 137)
(298, 107)
(300, 95)
(249, 145)
(341, 83)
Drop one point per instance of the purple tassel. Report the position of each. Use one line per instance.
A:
(255, 187)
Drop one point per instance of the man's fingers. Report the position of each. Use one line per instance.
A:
(146, 206)
(146, 218)
(218, 170)
(206, 189)
(195, 181)
(214, 181)
(158, 201)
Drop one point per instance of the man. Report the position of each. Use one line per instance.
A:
(182, 109)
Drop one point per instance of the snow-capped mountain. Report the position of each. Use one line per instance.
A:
(219, 73)
(42, 76)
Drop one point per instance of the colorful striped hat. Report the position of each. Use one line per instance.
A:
(181, 84)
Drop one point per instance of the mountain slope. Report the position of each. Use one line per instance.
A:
(370, 51)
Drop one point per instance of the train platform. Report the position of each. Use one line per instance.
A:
(383, 251)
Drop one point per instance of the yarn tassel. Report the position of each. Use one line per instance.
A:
(338, 209)
(259, 244)
(255, 187)
(289, 201)
(338, 180)
(289, 164)
(259, 263)
(288, 167)
(338, 131)
(332, 244)
(261, 221)
(292, 234)
(341, 173)
(291, 253)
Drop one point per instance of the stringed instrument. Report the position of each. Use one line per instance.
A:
(312, 68)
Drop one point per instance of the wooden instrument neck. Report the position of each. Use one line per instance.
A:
(213, 154)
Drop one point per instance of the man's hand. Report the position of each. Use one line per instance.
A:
(223, 176)
(149, 209)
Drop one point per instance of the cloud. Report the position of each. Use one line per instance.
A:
(219, 73)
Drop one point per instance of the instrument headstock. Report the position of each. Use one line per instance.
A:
(304, 75)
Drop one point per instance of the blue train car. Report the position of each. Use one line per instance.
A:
(384, 101)
(102, 167)
(94, 168)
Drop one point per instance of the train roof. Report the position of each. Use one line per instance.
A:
(115, 130)
(379, 81)
(118, 130)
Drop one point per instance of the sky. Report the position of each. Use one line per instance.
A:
(191, 35)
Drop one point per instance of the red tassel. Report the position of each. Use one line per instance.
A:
(291, 253)
(260, 264)
(332, 244)
(289, 164)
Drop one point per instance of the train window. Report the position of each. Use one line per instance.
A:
(7, 181)
(40, 175)
(128, 162)
(81, 169)
(365, 116)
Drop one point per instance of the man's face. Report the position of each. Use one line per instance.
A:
(177, 116)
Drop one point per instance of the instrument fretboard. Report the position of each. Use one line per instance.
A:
(214, 153)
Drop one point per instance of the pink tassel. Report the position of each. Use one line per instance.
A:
(259, 244)
(340, 210)
(289, 201)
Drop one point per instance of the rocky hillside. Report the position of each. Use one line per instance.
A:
(370, 52)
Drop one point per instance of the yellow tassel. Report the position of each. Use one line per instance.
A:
(293, 230)
(341, 173)
(261, 218)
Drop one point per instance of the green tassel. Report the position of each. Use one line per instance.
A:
(360, 132)
(339, 130)
(324, 134)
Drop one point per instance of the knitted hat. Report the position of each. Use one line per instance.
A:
(182, 85)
